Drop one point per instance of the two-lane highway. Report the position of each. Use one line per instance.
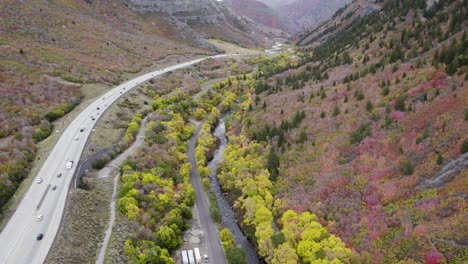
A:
(18, 241)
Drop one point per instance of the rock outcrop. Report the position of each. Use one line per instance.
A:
(209, 18)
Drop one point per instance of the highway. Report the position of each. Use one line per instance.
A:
(18, 240)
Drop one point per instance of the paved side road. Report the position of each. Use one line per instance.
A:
(215, 252)
(107, 171)
(41, 208)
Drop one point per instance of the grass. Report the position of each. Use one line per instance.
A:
(84, 223)
(232, 48)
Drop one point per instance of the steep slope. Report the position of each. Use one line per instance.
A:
(341, 19)
(309, 13)
(211, 19)
(257, 11)
(368, 130)
(49, 49)
(302, 14)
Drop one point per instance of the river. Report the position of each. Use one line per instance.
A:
(227, 213)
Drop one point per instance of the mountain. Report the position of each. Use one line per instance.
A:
(303, 14)
(367, 128)
(257, 11)
(209, 18)
(342, 18)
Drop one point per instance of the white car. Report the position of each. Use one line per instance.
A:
(77, 138)
(39, 180)
(69, 165)
(205, 258)
(39, 218)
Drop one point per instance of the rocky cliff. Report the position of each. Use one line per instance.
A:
(210, 18)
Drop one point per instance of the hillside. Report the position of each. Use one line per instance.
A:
(51, 49)
(367, 128)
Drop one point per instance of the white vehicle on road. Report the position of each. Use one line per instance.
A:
(69, 165)
(39, 180)
(39, 218)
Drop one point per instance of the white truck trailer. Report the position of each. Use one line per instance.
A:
(198, 259)
(190, 256)
(185, 259)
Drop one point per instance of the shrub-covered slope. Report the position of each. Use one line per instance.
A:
(369, 131)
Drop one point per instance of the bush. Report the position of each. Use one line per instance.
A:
(365, 130)
(235, 255)
(464, 147)
(407, 167)
(100, 163)
(215, 215)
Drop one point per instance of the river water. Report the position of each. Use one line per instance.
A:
(227, 214)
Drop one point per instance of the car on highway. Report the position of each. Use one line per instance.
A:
(59, 175)
(39, 180)
(69, 165)
(92, 118)
(40, 236)
(98, 108)
(205, 259)
(39, 218)
(54, 187)
(77, 138)
(82, 129)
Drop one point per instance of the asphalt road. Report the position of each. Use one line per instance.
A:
(215, 252)
(18, 243)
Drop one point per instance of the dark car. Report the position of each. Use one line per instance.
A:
(40, 236)
(54, 187)
(59, 175)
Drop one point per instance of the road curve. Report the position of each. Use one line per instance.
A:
(18, 238)
(215, 252)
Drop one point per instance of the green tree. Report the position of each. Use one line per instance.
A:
(400, 103)
(226, 237)
(235, 255)
(167, 238)
(464, 147)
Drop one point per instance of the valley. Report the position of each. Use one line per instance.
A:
(137, 131)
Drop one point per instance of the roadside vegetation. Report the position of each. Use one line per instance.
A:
(156, 192)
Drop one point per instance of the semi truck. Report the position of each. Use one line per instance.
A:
(184, 257)
(198, 259)
(190, 256)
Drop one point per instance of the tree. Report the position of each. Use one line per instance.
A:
(226, 237)
(235, 255)
(167, 238)
(307, 249)
(272, 165)
(400, 103)
(302, 137)
(278, 239)
(369, 105)
(336, 109)
(284, 254)
(464, 147)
